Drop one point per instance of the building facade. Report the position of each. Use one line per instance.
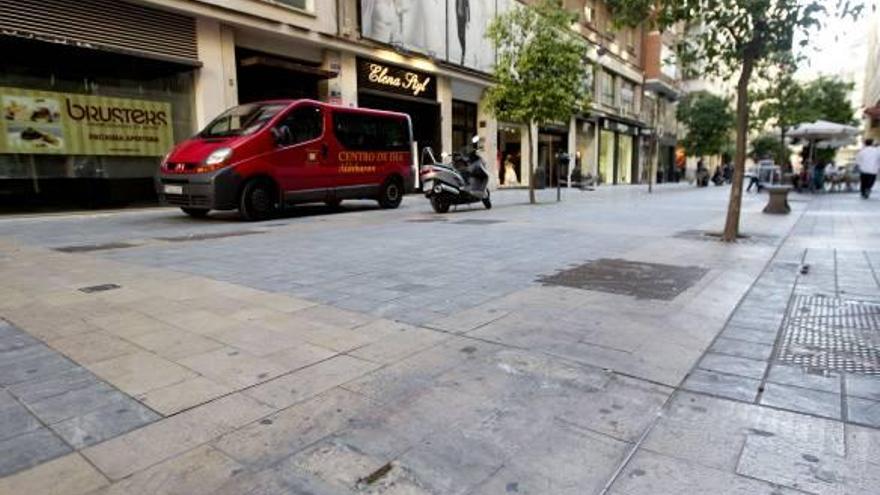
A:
(148, 73)
(871, 88)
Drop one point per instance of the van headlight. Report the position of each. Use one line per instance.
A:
(216, 160)
(218, 156)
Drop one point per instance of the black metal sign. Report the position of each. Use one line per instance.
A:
(381, 76)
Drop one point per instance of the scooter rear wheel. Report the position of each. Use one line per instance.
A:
(440, 204)
(487, 201)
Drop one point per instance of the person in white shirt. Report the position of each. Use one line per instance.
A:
(868, 160)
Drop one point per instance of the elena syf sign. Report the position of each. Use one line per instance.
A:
(393, 79)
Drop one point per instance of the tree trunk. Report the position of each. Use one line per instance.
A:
(731, 226)
(533, 154)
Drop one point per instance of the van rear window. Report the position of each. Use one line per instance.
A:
(370, 132)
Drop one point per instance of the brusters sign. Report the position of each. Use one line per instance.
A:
(393, 79)
(44, 122)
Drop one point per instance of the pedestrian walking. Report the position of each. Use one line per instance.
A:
(868, 161)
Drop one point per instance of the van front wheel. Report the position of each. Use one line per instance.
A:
(257, 201)
(391, 194)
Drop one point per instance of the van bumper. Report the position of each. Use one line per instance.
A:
(213, 191)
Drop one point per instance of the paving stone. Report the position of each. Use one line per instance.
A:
(742, 348)
(144, 447)
(798, 377)
(802, 400)
(733, 365)
(15, 341)
(723, 385)
(864, 386)
(794, 465)
(184, 395)
(67, 475)
(257, 341)
(286, 432)
(234, 368)
(174, 343)
(42, 388)
(201, 471)
(14, 418)
(749, 334)
(301, 356)
(863, 411)
(138, 373)
(301, 385)
(93, 347)
(653, 474)
(29, 449)
(32, 368)
(120, 415)
(74, 403)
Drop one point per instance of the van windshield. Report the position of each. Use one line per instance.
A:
(242, 120)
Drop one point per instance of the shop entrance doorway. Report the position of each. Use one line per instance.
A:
(550, 144)
(510, 170)
(262, 76)
(425, 117)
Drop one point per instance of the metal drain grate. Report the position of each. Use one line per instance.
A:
(825, 333)
(631, 278)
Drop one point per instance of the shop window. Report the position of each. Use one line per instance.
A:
(305, 124)
(371, 133)
(628, 96)
(297, 4)
(606, 88)
(464, 123)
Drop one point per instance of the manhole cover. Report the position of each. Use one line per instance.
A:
(632, 278)
(94, 247)
(477, 221)
(827, 333)
(205, 237)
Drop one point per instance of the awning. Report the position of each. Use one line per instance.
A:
(280, 63)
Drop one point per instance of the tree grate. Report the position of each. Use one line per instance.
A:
(832, 334)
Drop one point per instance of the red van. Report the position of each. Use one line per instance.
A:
(260, 157)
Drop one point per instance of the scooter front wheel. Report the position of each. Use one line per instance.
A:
(440, 204)
(487, 201)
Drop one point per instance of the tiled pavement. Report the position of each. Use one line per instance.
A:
(530, 389)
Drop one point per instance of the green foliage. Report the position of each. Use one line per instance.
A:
(785, 102)
(827, 98)
(709, 121)
(724, 33)
(540, 69)
(768, 146)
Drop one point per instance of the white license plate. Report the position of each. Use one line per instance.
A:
(427, 185)
(169, 189)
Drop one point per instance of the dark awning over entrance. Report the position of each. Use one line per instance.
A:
(280, 63)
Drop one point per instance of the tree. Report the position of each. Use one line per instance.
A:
(708, 120)
(734, 38)
(784, 102)
(539, 72)
(770, 146)
(827, 98)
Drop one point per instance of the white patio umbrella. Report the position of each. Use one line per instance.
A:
(829, 133)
